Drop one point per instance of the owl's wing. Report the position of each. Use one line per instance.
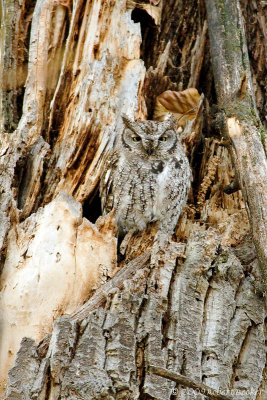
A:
(176, 185)
(106, 183)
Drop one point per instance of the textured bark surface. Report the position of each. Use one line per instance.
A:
(243, 128)
(74, 258)
(191, 303)
(202, 319)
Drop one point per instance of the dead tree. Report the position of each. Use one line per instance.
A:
(75, 322)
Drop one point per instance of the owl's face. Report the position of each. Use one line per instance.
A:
(150, 139)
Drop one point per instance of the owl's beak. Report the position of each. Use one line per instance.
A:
(150, 146)
(147, 146)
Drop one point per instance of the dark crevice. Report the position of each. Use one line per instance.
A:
(195, 162)
(166, 319)
(106, 335)
(3, 255)
(206, 80)
(183, 366)
(24, 174)
(19, 173)
(146, 397)
(92, 207)
(148, 31)
(20, 97)
(48, 384)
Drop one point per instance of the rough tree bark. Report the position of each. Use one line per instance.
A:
(75, 322)
(239, 115)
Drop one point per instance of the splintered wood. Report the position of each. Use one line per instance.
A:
(105, 309)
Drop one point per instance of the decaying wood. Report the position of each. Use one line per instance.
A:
(113, 285)
(15, 25)
(51, 256)
(231, 63)
(203, 320)
(112, 66)
(254, 18)
(198, 56)
(189, 303)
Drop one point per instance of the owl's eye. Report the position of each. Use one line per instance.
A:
(163, 138)
(136, 139)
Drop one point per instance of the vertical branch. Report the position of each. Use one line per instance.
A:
(240, 118)
(228, 48)
(15, 24)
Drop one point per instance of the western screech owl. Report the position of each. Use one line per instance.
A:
(148, 176)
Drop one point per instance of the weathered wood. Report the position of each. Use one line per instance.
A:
(30, 183)
(192, 307)
(179, 316)
(254, 18)
(103, 62)
(242, 126)
(198, 52)
(110, 288)
(15, 25)
(51, 261)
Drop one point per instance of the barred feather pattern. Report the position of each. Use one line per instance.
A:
(147, 177)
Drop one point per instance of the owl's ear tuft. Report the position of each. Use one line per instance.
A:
(170, 118)
(127, 121)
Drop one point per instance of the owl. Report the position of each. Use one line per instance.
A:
(147, 178)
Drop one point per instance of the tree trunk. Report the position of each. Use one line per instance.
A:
(239, 114)
(77, 322)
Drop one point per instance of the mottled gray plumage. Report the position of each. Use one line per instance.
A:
(147, 178)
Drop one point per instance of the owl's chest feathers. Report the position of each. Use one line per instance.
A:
(143, 192)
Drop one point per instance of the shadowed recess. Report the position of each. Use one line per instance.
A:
(92, 207)
(148, 32)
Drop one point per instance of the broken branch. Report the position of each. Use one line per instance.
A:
(188, 382)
